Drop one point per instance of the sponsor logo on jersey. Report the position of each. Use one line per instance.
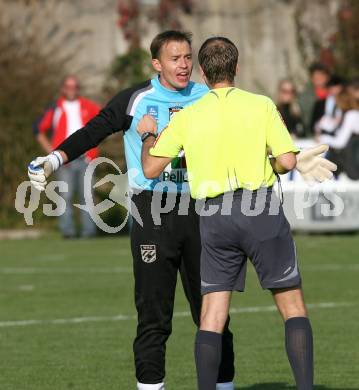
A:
(153, 111)
(172, 110)
(175, 175)
(179, 162)
(176, 171)
(148, 253)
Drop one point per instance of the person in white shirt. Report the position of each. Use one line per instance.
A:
(344, 140)
(69, 113)
(326, 113)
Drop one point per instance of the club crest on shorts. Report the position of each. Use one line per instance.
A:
(148, 253)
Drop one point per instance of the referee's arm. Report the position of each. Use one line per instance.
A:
(152, 166)
(158, 153)
(283, 163)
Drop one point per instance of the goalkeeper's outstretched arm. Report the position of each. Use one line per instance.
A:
(313, 166)
(310, 163)
(111, 119)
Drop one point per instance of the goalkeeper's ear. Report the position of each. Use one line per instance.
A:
(157, 65)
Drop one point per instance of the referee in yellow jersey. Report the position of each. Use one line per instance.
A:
(226, 137)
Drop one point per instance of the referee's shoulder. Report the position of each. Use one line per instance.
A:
(256, 97)
(258, 103)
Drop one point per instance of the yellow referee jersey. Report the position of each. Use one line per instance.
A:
(225, 137)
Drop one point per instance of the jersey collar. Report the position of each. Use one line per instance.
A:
(158, 86)
(222, 91)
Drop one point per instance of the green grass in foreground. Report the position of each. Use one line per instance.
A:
(52, 279)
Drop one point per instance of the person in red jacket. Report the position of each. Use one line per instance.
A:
(69, 113)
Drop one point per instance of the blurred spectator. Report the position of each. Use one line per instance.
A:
(315, 90)
(61, 119)
(344, 144)
(327, 110)
(353, 88)
(288, 107)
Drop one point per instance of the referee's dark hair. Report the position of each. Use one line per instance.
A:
(167, 36)
(218, 57)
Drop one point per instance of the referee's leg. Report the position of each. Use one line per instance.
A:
(271, 247)
(278, 270)
(191, 280)
(298, 334)
(208, 344)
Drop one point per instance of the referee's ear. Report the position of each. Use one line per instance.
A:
(204, 76)
(237, 69)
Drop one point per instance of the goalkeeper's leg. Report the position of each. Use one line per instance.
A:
(156, 261)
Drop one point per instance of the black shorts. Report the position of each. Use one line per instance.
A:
(160, 252)
(255, 228)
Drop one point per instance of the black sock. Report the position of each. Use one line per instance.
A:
(226, 368)
(207, 352)
(299, 346)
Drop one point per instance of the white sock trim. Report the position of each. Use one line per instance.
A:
(225, 386)
(145, 386)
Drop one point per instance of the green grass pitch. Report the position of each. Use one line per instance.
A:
(67, 318)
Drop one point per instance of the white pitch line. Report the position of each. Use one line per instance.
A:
(56, 271)
(55, 257)
(121, 317)
(119, 270)
(331, 267)
(26, 287)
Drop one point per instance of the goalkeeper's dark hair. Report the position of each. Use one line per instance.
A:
(167, 36)
(218, 57)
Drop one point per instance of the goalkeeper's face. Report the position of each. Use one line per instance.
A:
(174, 64)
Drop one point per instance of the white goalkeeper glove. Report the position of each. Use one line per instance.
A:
(313, 167)
(42, 167)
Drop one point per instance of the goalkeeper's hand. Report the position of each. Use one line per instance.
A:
(42, 167)
(313, 167)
